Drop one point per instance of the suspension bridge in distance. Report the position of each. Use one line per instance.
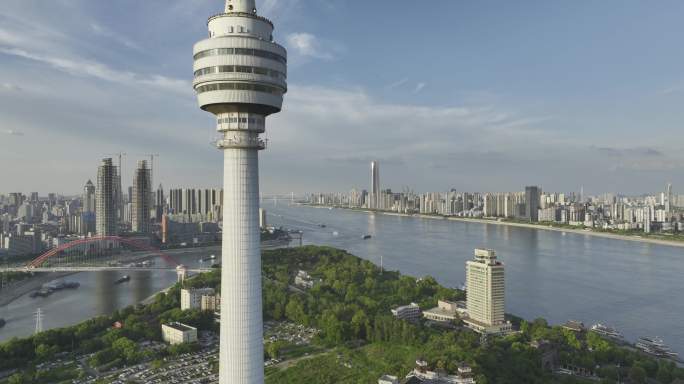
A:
(104, 253)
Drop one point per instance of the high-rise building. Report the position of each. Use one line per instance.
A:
(486, 293)
(240, 76)
(89, 197)
(106, 199)
(142, 199)
(375, 186)
(88, 217)
(668, 198)
(159, 203)
(532, 203)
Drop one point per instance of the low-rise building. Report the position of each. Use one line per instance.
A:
(304, 280)
(409, 312)
(192, 298)
(422, 374)
(178, 333)
(387, 379)
(445, 311)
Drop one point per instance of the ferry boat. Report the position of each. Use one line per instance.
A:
(123, 279)
(607, 331)
(655, 346)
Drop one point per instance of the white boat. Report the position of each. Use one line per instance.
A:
(607, 331)
(655, 346)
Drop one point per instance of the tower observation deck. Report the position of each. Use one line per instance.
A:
(240, 77)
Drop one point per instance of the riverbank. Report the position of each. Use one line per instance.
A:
(544, 227)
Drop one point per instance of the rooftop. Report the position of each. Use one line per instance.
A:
(180, 327)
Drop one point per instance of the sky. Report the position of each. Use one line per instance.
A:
(474, 95)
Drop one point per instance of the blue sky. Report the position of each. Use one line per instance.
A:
(474, 95)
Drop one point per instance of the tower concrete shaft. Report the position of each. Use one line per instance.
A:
(240, 77)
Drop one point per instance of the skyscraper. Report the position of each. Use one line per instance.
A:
(89, 197)
(88, 209)
(532, 203)
(486, 293)
(105, 199)
(668, 198)
(159, 203)
(240, 76)
(375, 186)
(142, 198)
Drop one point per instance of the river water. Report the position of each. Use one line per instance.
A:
(635, 287)
(97, 295)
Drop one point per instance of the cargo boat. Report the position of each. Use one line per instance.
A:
(54, 286)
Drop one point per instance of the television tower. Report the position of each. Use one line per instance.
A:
(240, 77)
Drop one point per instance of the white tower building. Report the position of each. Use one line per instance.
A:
(240, 76)
(375, 186)
(486, 293)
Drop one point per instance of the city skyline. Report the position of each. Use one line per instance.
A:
(571, 106)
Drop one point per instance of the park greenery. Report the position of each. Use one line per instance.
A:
(359, 339)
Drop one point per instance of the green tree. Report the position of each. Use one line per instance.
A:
(45, 352)
(637, 375)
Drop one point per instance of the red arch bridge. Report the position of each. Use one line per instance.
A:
(103, 253)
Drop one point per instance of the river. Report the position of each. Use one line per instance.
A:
(635, 287)
(97, 295)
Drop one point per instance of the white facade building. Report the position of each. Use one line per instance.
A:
(486, 293)
(409, 312)
(445, 311)
(192, 298)
(178, 333)
(240, 77)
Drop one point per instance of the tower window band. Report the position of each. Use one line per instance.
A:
(239, 87)
(241, 69)
(241, 51)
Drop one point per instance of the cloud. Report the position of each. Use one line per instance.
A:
(80, 67)
(641, 159)
(397, 84)
(12, 132)
(630, 152)
(10, 87)
(327, 122)
(308, 46)
(124, 41)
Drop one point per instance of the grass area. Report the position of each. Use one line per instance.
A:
(296, 351)
(362, 365)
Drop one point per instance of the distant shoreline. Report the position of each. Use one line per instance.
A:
(588, 231)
